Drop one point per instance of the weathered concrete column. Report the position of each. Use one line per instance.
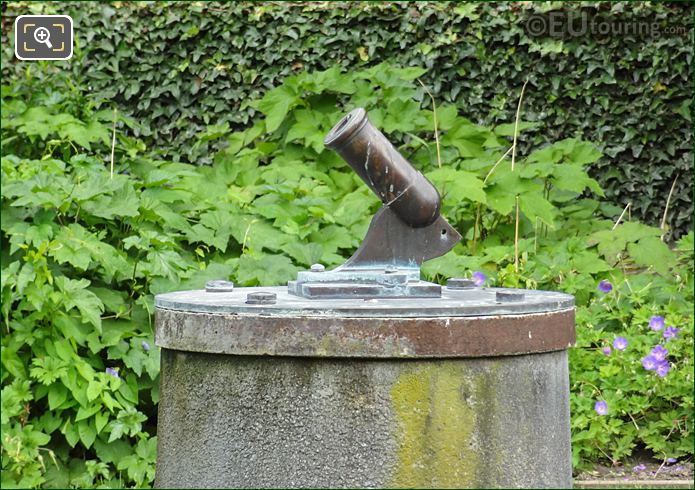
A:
(467, 390)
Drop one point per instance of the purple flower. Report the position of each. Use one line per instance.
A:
(656, 322)
(479, 278)
(112, 372)
(671, 460)
(659, 353)
(663, 368)
(671, 333)
(601, 407)
(606, 351)
(639, 467)
(605, 286)
(649, 363)
(145, 346)
(620, 343)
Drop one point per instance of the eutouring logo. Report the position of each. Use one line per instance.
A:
(43, 37)
(572, 24)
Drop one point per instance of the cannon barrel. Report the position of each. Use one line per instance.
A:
(387, 173)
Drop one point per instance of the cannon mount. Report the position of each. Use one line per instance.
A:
(404, 233)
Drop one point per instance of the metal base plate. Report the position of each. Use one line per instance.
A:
(361, 290)
(453, 302)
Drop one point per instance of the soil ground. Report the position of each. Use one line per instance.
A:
(639, 472)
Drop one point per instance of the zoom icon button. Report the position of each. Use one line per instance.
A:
(43, 37)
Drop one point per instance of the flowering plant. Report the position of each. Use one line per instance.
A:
(632, 369)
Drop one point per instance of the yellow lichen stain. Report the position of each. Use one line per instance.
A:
(435, 423)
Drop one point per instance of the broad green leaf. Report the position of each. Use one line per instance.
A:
(112, 452)
(650, 251)
(57, 394)
(275, 104)
(100, 420)
(85, 413)
(75, 245)
(457, 185)
(76, 295)
(265, 270)
(535, 206)
(578, 152)
(574, 178)
(87, 432)
(123, 202)
(71, 327)
(94, 389)
(508, 129)
(69, 430)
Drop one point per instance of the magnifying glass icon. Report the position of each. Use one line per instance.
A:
(43, 35)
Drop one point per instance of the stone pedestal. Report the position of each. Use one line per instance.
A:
(462, 391)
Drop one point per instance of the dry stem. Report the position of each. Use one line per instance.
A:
(113, 140)
(668, 201)
(621, 216)
(436, 131)
(516, 124)
(516, 237)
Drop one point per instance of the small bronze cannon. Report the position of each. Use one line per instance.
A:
(405, 232)
(397, 183)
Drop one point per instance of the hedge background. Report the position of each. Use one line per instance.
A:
(180, 67)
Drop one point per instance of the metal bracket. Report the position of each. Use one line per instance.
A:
(387, 263)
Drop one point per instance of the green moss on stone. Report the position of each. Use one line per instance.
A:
(435, 425)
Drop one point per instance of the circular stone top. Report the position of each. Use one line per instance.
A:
(453, 302)
(462, 323)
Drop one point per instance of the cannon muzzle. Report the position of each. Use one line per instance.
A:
(387, 173)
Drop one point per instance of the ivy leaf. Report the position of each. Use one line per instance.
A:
(256, 234)
(611, 243)
(57, 394)
(100, 421)
(94, 389)
(219, 223)
(589, 263)
(87, 432)
(86, 412)
(354, 207)
(83, 134)
(69, 430)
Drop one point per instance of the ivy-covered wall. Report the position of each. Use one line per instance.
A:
(181, 67)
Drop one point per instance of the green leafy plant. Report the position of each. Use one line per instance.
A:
(179, 67)
(85, 248)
